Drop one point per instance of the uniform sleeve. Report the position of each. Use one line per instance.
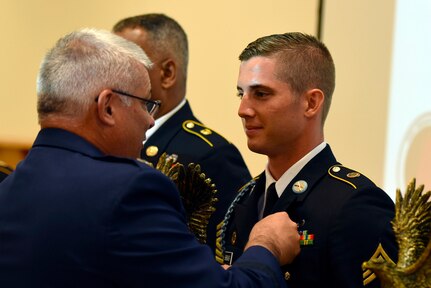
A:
(149, 244)
(363, 223)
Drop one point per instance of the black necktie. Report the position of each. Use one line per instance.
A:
(271, 198)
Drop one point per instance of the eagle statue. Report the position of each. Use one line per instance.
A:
(412, 228)
(197, 193)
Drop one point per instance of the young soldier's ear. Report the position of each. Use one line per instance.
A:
(168, 72)
(314, 101)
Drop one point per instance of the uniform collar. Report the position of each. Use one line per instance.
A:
(63, 139)
(160, 121)
(292, 172)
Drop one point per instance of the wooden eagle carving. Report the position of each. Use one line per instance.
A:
(412, 227)
(197, 192)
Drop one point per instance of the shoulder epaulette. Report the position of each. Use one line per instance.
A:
(200, 130)
(347, 175)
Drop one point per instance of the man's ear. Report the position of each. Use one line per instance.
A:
(105, 107)
(168, 73)
(315, 99)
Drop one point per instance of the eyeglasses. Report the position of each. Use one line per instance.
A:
(151, 105)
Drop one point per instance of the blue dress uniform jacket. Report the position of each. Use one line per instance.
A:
(73, 217)
(183, 134)
(343, 219)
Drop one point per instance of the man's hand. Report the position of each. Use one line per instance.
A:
(278, 234)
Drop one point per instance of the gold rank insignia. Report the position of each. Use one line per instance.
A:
(382, 256)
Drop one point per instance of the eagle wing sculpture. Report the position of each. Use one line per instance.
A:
(412, 228)
(197, 193)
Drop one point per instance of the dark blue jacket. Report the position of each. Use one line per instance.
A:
(73, 217)
(343, 217)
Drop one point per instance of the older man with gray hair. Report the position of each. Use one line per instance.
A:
(80, 211)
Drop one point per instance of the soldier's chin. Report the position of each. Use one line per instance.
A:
(256, 148)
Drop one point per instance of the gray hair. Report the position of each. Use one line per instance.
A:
(304, 62)
(81, 65)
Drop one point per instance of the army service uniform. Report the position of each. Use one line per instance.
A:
(184, 135)
(343, 220)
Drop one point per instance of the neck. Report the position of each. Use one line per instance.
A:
(278, 164)
(82, 127)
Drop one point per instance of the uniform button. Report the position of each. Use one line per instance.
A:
(152, 151)
(336, 169)
(286, 276)
(190, 125)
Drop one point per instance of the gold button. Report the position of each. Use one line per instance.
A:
(353, 175)
(336, 169)
(233, 238)
(190, 125)
(286, 275)
(206, 131)
(152, 151)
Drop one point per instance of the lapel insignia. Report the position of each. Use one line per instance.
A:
(381, 255)
(306, 239)
(299, 186)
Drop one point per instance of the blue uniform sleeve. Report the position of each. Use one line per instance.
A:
(363, 223)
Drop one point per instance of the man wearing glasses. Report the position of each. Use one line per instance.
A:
(81, 211)
(150, 105)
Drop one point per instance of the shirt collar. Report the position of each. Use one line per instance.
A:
(290, 173)
(160, 121)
